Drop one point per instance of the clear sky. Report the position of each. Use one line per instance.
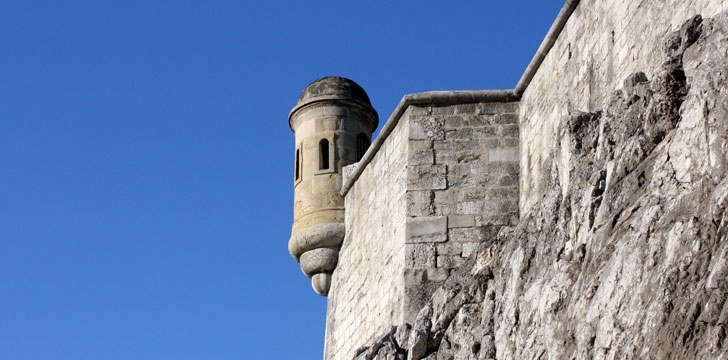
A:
(146, 159)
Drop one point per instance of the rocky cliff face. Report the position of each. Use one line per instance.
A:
(626, 256)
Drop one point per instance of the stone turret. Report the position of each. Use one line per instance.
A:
(333, 122)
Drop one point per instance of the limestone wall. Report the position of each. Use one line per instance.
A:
(462, 187)
(443, 181)
(367, 286)
(602, 43)
(448, 177)
(630, 262)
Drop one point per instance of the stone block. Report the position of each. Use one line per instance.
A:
(449, 248)
(420, 256)
(469, 207)
(471, 234)
(437, 274)
(510, 142)
(473, 208)
(450, 146)
(506, 119)
(456, 145)
(486, 131)
(461, 134)
(326, 123)
(492, 142)
(419, 145)
(420, 203)
(445, 201)
(453, 122)
(460, 176)
(423, 229)
(449, 262)
(479, 120)
(426, 177)
(468, 156)
(488, 108)
(465, 108)
(417, 131)
(508, 130)
(419, 152)
(474, 194)
(508, 180)
(502, 193)
(502, 155)
(507, 206)
(427, 127)
(443, 158)
(443, 110)
(457, 221)
(510, 168)
(510, 107)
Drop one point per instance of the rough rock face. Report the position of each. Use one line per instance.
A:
(626, 256)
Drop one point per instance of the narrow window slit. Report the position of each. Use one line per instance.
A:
(298, 164)
(362, 144)
(323, 154)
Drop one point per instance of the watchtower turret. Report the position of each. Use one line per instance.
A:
(333, 122)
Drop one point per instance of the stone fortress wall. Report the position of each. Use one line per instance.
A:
(462, 187)
(368, 263)
(449, 169)
(445, 178)
(602, 43)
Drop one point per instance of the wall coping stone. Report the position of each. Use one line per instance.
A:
(545, 47)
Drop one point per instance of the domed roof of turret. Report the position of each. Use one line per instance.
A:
(337, 91)
(333, 87)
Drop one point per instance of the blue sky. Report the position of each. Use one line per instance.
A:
(146, 159)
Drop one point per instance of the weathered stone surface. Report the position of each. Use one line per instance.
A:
(602, 44)
(319, 260)
(385, 348)
(503, 155)
(426, 229)
(427, 177)
(331, 112)
(376, 209)
(322, 235)
(400, 245)
(625, 253)
(427, 128)
(458, 221)
(562, 284)
(321, 283)
(420, 256)
(452, 180)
